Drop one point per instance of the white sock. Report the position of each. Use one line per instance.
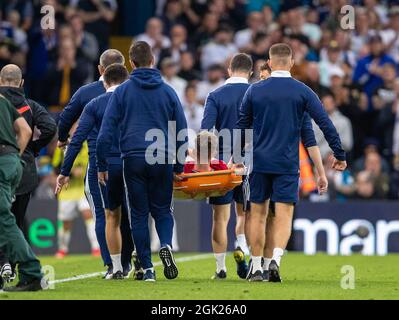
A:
(220, 262)
(242, 243)
(64, 237)
(91, 234)
(256, 264)
(277, 254)
(151, 269)
(266, 263)
(116, 262)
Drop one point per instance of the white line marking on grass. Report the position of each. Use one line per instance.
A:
(156, 264)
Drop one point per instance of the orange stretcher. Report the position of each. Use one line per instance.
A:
(202, 185)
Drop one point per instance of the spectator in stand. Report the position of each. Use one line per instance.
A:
(386, 124)
(259, 47)
(385, 93)
(373, 164)
(187, 68)
(371, 146)
(390, 35)
(220, 49)
(154, 37)
(169, 75)
(23, 7)
(178, 38)
(205, 32)
(372, 182)
(85, 42)
(368, 71)
(97, 16)
(362, 31)
(193, 111)
(19, 35)
(268, 19)
(243, 38)
(364, 187)
(331, 62)
(214, 79)
(299, 46)
(311, 77)
(179, 12)
(64, 77)
(297, 25)
(341, 123)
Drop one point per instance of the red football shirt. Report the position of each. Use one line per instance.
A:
(216, 165)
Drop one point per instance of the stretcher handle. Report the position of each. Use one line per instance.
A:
(205, 174)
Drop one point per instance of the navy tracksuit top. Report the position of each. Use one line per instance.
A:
(276, 108)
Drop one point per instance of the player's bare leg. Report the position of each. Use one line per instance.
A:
(114, 240)
(269, 245)
(241, 246)
(91, 232)
(64, 237)
(257, 237)
(221, 216)
(280, 233)
(240, 228)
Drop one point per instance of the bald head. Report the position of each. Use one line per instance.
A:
(11, 76)
(109, 57)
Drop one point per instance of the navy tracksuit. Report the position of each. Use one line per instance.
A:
(141, 104)
(276, 109)
(221, 112)
(89, 125)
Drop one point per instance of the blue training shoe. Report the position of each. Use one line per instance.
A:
(242, 267)
(149, 276)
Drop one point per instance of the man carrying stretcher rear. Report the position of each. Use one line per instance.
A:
(275, 109)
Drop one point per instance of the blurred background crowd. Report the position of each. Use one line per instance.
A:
(354, 71)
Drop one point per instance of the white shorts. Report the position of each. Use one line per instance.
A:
(69, 210)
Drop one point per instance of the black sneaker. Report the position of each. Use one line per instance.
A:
(35, 285)
(6, 272)
(108, 274)
(118, 275)
(265, 275)
(138, 270)
(139, 274)
(274, 272)
(221, 275)
(170, 269)
(257, 276)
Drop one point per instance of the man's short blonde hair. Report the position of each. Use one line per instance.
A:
(280, 54)
(206, 144)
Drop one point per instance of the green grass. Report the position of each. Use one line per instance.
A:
(305, 277)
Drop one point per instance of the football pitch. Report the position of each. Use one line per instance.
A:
(304, 277)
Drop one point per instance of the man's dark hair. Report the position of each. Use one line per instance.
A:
(111, 56)
(115, 74)
(265, 66)
(241, 62)
(281, 52)
(140, 53)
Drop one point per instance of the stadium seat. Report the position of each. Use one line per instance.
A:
(202, 185)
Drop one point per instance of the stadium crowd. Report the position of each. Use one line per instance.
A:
(355, 72)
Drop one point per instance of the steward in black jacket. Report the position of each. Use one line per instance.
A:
(44, 129)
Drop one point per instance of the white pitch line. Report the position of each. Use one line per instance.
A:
(156, 264)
